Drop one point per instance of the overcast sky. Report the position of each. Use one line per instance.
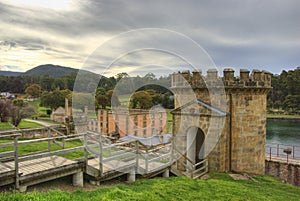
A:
(253, 34)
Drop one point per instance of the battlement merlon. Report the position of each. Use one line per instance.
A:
(257, 79)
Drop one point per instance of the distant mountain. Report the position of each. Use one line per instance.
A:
(51, 70)
(10, 73)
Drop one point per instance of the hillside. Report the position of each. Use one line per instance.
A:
(51, 70)
(9, 73)
(218, 187)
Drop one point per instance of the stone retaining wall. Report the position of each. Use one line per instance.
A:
(288, 172)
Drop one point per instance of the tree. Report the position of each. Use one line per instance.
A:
(55, 99)
(112, 98)
(168, 101)
(285, 87)
(100, 90)
(4, 110)
(292, 102)
(121, 75)
(81, 100)
(20, 109)
(102, 101)
(33, 90)
(141, 100)
(149, 76)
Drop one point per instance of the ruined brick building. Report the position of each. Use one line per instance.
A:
(134, 122)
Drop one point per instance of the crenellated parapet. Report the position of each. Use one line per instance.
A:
(257, 78)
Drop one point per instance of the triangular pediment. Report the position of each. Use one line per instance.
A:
(198, 107)
(60, 110)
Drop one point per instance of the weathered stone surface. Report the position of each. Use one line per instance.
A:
(242, 139)
(288, 172)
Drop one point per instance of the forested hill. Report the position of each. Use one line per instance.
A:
(50, 70)
(286, 91)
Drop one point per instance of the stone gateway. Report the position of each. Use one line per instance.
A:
(223, 121)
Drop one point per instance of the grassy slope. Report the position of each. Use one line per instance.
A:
(219, 187)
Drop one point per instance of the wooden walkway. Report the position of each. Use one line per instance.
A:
(111, 169)
(102, 160)
(36, 167)
(43, 169)
(7, 174)
(129, 157)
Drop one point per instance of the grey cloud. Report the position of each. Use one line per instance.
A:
(236, 33)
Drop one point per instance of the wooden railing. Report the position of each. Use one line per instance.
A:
(159, 156)
(13, 153)
(17, 157)
(145, 159)
(193, 170)
(128, 152)
(106, 152)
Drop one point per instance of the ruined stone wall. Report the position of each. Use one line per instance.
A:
(141, 123)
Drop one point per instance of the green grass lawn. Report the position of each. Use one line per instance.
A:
(43, 146)
(27, 124)
(218, 187)
(5, 126)
(283, 116)
(24, 124)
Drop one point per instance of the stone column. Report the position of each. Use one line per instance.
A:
(166, 173)
(78, 179)
(131, 176)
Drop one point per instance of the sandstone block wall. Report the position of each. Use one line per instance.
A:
(241, 146)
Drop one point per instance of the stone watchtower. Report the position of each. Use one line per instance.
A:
(221, 119)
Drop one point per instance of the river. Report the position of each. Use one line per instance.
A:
(283, 132)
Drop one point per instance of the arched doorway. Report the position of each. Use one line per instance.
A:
(195, 145)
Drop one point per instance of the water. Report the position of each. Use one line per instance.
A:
(283, 132)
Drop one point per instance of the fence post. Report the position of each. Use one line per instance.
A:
(49, 141)
(16, 162)
(293, 152)
(85, 148)
(146, 160)
(137, 156)
(63, 143)
(100, 156)
(171, 155)
(270, 153)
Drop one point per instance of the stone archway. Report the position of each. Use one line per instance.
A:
(195, 145)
